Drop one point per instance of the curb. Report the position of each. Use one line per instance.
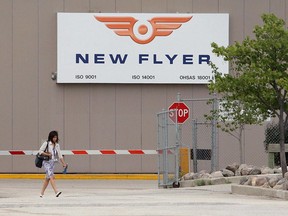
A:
(258, 191)
(238, 189)
(84, 176)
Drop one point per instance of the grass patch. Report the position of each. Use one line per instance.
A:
(209, 182)
(200, 182)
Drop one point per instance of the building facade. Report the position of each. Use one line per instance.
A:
(101, 116)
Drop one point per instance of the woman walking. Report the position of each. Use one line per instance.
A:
(51, 148)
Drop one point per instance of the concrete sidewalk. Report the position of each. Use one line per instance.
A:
(233, 182)
(130, 197)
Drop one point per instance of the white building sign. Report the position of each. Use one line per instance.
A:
(139, 48)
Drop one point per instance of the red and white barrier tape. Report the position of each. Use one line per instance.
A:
(86, 152)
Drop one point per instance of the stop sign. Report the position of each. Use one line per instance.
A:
(182, 112)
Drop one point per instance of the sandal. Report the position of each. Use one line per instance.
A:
(58, 194)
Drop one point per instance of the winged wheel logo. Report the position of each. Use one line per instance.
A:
(143, 32)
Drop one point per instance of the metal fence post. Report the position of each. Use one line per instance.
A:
(194, 145)
(165, 150)
(214, 161)
(177, 149)
(158, 147)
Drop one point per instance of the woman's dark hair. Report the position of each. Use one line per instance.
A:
(53, 134)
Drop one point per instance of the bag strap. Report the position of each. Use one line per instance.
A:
(46, 147)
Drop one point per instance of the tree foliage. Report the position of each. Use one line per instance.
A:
(258, 76)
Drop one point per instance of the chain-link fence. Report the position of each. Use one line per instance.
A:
(215, 149)
(209, 147)
(272, 140)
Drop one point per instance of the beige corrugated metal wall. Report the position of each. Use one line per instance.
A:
(95, 116)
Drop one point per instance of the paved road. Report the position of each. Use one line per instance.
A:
(130, 197)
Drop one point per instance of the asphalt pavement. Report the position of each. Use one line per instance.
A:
(130, 197)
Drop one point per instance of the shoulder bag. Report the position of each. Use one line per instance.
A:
(39, 158)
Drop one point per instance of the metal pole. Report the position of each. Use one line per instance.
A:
(178, 97)
(178, 141)
(194, 145)
(159, 147)
(214, 159)
(161, 144)
(177, 145)
(165, 150)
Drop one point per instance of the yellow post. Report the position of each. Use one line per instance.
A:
(184, 161)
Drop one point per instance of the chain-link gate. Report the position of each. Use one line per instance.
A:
(201, 151)
(168, 150)
(201, 135)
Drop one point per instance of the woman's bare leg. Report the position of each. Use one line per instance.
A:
(45, 184)
(53, 184)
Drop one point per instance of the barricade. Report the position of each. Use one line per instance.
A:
(85, 152)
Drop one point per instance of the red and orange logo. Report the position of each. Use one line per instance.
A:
(143, 32)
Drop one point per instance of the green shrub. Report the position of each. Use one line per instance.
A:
(200, 182)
